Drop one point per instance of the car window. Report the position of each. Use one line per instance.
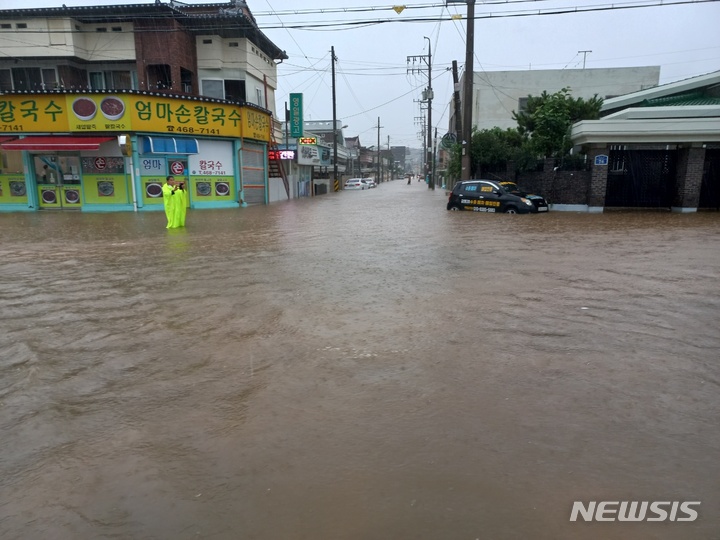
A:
(471, 187)
(487, 187)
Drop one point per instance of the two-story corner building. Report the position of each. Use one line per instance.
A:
(99, 103)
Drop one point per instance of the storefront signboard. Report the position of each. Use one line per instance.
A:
(91, 113)
(255, 125)
(296, 115)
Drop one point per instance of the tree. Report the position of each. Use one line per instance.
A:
(543, 131)
(547, 120)
(490, 150)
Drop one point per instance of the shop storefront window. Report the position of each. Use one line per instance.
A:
(57, 169)
(13, 189)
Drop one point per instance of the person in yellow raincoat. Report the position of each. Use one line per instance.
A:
(181, 210)
(175, 201)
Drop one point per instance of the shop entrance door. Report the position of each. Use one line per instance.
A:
(58, 181)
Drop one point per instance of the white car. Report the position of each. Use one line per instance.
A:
(370, 182)
(356, 183)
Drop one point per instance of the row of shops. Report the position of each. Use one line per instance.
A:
(102, 152)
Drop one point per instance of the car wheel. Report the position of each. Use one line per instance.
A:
(453, 208)
(511, 210)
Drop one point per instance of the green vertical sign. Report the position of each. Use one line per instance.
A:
(296, 115)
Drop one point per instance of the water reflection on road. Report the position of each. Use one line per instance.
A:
(362, 365)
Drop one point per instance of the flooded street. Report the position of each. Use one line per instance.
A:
(362, 365)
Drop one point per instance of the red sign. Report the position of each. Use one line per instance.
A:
(100, 163)
(177, 167)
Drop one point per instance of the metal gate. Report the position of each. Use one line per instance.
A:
(253, 172)
(641, 178)
(710, 188)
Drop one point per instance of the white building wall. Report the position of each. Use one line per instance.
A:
(219, 60)
(276, 190)
(496, 94)
(66, 37)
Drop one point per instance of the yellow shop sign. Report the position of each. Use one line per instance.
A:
(29, 113)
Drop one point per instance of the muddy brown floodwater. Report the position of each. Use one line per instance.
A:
(362, 365)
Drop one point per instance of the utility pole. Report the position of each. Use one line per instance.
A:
(287, 124)
(420, 120)
(378, 152)
(467, 105)
(584, 53)
(456, 101)
(427, 97)
(434, 153)
(336, 183)
(458, 115)
(431, 156)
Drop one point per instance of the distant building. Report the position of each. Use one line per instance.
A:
(399, 153)
(496, 94)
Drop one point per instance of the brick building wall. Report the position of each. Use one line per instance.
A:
(690, 168)
(597, 187)
(165, 43)
(558, 187)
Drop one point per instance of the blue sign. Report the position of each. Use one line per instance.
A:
(601, 160)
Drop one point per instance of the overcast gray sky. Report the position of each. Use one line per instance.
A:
(371, 72)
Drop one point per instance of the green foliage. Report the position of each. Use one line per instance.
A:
(547, 120)
(454, 163)
(543, 131)
(491, 149)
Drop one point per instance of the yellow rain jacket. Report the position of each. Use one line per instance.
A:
(173, 199)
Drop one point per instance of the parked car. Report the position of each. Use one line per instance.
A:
(370, 182)
(355, 183)
(487, 196)
(538, 201)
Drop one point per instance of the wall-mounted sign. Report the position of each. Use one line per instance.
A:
(601, 160)
(177, 167)
(88, 113)
(255, 125)
(308, 155)
(281, 154)
(307, 140)
(296, 115)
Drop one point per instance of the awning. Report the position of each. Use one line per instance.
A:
(6, 139)
(60, 142)
(169, 145)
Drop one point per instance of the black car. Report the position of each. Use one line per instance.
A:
(538, 201)
(487, 196)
